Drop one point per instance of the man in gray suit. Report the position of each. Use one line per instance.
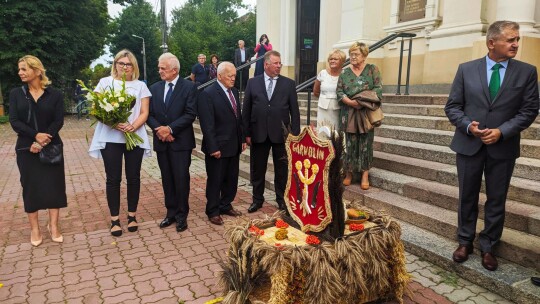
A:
(492, 100)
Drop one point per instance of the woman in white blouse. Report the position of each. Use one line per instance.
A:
(325, 88)
(110, 144)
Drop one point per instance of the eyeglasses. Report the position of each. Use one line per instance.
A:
(354, 55)
(124, 65)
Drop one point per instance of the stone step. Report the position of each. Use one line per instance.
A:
(419, 99)
(519, 216)
(522, 190)
(413, 109)
(510, 281)
(515, 246)
(529, 147)
(525, 167)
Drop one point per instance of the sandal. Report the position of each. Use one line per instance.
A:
(114, 224)
(132, 219)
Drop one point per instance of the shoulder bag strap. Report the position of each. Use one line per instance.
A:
(29, 108)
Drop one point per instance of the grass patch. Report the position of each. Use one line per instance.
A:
(449, 278)
(4, 119)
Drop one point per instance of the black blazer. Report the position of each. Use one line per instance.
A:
(48, 112)
(179, 116)
(238, 56)
(513, 110)
(222, 130)
(265, 118)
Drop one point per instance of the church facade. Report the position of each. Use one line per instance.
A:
(447, 33)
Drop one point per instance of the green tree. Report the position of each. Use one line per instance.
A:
(208, 27)
(138, 19)
(65, 36)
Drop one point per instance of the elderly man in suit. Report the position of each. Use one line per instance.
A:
(270, 112)
(172, 112)
(492, 100)
(223, 141)
(242, 56)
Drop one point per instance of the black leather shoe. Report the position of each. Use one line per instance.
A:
(181, 225)
(535, 281)
(462, 253)
(167, 222)
(254, 207)
(489, 261)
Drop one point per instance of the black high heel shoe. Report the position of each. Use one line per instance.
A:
(117, 232)
(132, 219)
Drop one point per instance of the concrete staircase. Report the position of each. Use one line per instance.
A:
(414, 179)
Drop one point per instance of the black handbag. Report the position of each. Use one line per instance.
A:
(52, 154)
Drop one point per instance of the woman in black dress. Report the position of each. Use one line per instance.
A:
(44, 185)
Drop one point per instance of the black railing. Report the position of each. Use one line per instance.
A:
(308, 84)
(209, 82)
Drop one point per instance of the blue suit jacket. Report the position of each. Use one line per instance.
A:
(179, 115)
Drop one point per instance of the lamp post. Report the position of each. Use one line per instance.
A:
(144, 54)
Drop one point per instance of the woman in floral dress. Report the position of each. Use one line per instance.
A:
(359, 76)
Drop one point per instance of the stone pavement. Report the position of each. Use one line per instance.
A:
(151, 265)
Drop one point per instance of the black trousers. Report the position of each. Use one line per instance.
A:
(174, 166)
(260, 153)
(221, 183)
(498, 173)
(112, 159)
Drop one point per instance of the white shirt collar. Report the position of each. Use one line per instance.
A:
(174, 81)
(266, 77)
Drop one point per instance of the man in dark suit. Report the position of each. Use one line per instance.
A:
(270, 112)
(492, 100)
(223, 141)
(242, 56)
(172, 112)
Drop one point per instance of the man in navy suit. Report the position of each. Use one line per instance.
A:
(492, 100)
(172, 112)
(270, 112)
(223, 141)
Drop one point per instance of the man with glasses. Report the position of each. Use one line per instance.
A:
(270, 112)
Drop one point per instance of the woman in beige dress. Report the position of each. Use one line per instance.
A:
(325, 88)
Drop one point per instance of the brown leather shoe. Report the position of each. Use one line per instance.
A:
(232, 212)
(462, 253)
(216, 220)
(489, 261)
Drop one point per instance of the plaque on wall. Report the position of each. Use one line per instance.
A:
(412, 10)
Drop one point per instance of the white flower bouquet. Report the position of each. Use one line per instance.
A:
(112, 107)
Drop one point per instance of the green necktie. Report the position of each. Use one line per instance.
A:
(495, 81)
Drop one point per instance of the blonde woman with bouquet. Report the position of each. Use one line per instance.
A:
(114, 140)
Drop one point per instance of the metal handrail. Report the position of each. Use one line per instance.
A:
(372, 48)
(211, 81)
(308, 84)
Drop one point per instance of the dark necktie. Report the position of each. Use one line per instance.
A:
(233, 102)
(169, 93)
(495, 81)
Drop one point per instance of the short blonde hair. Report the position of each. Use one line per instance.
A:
(132, 59)
(364, 49)
(35, 64)
(341, 55)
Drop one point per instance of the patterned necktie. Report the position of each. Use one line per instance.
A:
(169, 93)
(269, 89)
(495, 81)
(233, 102)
